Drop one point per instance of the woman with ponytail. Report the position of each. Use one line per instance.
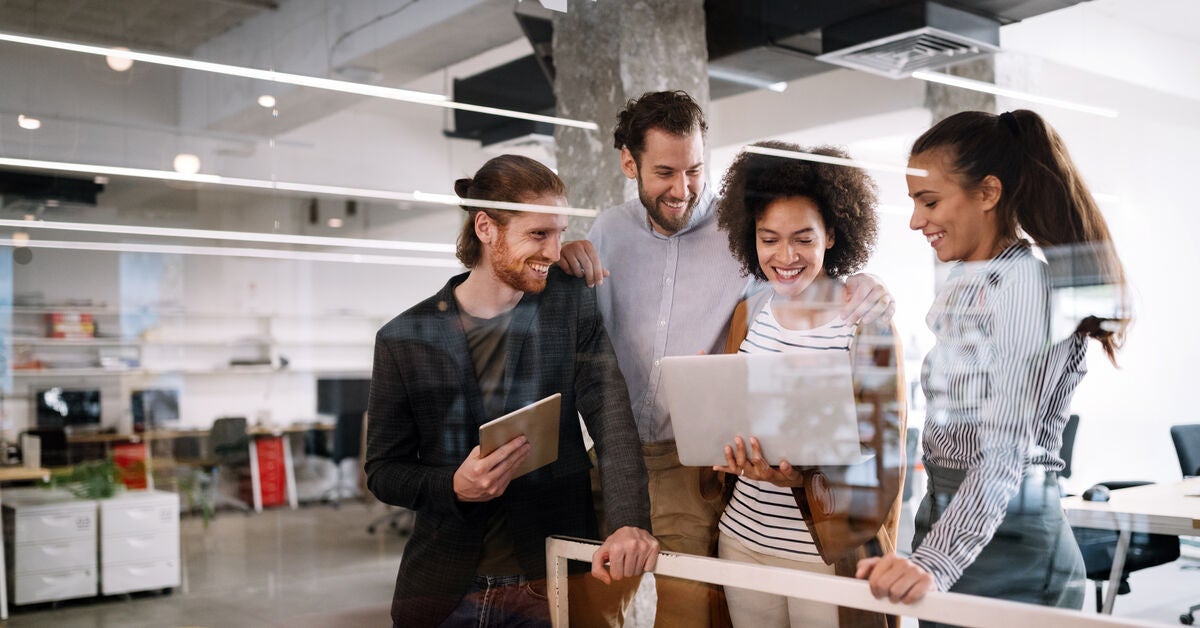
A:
(998, 386)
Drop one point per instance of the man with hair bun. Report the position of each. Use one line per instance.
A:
(510, 331)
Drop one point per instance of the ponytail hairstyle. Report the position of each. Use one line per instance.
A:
(1041, 195)
(507, 178)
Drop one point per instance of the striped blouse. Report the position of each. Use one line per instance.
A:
(762, 516)
(998, 392)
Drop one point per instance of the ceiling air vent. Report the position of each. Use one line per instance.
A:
(915, 36)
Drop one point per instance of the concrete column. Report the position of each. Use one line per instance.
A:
(944, 101)
(605, 53)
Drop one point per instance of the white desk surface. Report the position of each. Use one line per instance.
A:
(1156, 508)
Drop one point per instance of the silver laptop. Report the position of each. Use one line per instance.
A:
(799, 405)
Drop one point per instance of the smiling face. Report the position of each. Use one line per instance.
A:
(791, 241)
(670, 177)
(520, 253)
(959, 224)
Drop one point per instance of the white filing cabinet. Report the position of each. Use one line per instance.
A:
(139, 542)
(50, 542)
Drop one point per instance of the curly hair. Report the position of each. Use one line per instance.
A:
(846, 196)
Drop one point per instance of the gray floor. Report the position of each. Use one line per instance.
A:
(317, 566)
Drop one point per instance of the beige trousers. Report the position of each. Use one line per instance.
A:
(753, 609)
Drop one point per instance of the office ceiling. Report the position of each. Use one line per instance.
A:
(170, 26)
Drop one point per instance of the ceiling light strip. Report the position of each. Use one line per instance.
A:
(242, 236)
(301, 80)
(285, 186)
(219, 251)
(996, 90)
(837, 161)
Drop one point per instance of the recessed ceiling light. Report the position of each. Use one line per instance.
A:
(120, 63)
(266, 101)
(20, 238)
(26, 122)
(187, 163)
(336, 223)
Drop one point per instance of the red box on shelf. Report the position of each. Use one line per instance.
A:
(70, 325)
(130, 458)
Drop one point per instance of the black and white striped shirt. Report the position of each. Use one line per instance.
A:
(762, 516)
(998, 393)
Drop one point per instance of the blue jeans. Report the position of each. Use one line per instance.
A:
(502, 601)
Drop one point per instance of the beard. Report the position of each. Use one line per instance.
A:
(512, 271)
(671, 224)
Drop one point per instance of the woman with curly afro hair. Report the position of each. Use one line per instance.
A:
(804, 226)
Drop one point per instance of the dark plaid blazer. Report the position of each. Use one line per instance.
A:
(423, 420)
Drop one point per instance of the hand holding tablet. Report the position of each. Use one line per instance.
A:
(537, 422)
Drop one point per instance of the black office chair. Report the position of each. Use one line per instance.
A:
(1187, 448)
(347, 439)
(228, 449)
(1099, 546)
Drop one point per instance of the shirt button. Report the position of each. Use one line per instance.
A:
(662, 323)
(656, 362)
(667, 280)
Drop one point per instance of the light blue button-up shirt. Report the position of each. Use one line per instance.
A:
(666, 295)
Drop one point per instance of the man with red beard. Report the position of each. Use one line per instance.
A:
(672, 287)
(511, 331)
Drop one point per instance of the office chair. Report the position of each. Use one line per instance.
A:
(1187, 448)
(1098, 546)
(228, 448)
(1145, 550)
(347, 444)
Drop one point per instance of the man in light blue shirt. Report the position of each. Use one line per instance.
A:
(668, 286)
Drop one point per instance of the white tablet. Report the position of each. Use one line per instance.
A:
(799, 405)
(538, 422)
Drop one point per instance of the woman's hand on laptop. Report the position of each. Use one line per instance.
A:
(754, 466)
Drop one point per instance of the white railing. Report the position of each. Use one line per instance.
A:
(952, 608)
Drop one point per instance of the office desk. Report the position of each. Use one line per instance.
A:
(13, 474)
(263, 438)
(1172, 509)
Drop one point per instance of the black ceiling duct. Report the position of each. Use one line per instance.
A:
(39, 187)
(519, 85)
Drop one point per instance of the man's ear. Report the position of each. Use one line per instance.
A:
(485, 228)
(989, 192)
(629, 165)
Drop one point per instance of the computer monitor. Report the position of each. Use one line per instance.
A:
(154, 407)
(60, 407)
(342, 396)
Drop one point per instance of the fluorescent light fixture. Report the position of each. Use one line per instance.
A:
(119, 64)
(266, 101)
(28, 123)
(749, 80)
(284, 186)
(335, 223)
(989, 88)
(186, 163)
(837, 161)
(220, 251)
(301, 80)
(240, 236)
